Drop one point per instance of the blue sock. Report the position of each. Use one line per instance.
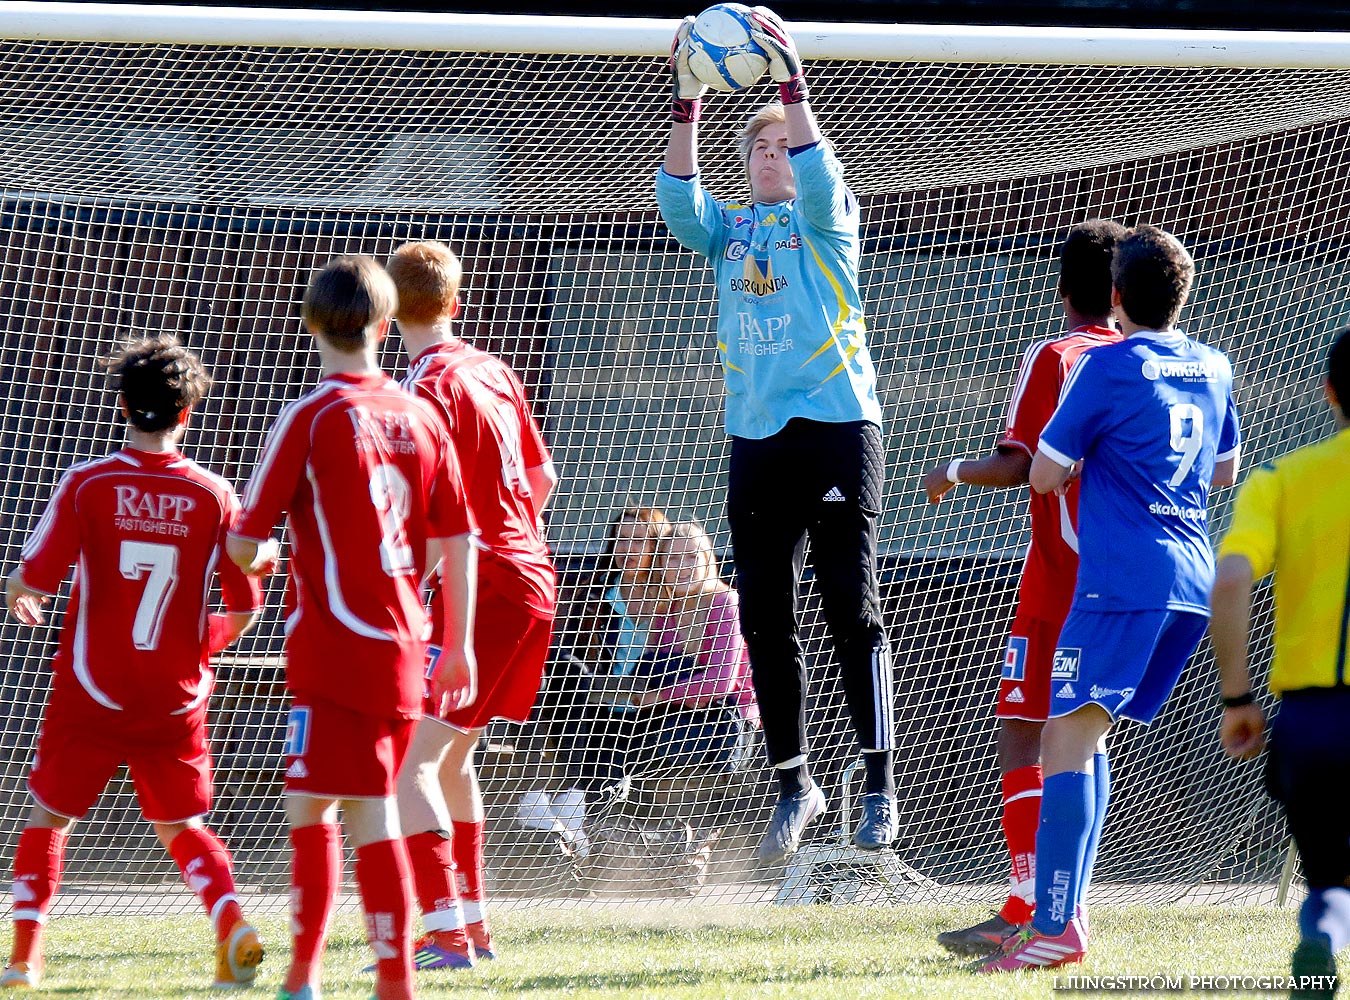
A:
(1066, 819)
(1101, 790)
(1326, 914)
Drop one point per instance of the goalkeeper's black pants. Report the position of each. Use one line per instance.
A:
(822, 481)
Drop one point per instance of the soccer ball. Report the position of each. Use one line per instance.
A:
(722, 52)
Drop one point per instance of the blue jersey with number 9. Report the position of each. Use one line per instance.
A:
(1149, 417)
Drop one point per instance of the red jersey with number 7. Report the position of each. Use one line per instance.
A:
(1051, 568)
(496, 440)
(146, 534)
(367, 474)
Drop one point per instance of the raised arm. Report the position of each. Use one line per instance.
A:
(785, 66)
(686, 103)
(690, 212)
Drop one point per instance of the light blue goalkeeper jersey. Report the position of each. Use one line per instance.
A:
(790, 329)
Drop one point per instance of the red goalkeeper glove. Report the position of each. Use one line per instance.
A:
(686, 89)
(785, 66)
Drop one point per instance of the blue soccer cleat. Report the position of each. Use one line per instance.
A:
(306, 992)
(789, 821)
(427, 954)
(878, 827)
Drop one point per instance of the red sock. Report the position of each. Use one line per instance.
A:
(37, 874)
(467, 844)
(316, 871)
(433, 872)
(386, 894)
(1021, 817)
(208, 871)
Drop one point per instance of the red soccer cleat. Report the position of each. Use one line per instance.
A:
(1030, 949)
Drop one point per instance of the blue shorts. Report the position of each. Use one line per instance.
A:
(1127, 662)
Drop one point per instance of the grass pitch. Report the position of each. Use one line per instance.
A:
(740, 952)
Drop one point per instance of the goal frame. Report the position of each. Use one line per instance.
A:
(32, 20)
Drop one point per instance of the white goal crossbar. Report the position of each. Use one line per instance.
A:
(642, 36)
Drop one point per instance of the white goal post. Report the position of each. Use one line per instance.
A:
(39, 20)
(186, 168)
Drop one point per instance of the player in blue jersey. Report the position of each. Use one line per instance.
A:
(805, 424)
(1151, 420)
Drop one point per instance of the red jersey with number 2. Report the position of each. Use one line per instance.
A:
(367, 475)
(146, 533)
(1051, 568)
(496, 440)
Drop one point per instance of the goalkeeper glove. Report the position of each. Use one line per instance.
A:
(785, 66)
(686, 89)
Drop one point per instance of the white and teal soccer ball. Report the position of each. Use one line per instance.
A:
(722, 52)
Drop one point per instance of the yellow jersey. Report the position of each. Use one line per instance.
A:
(1293, 516)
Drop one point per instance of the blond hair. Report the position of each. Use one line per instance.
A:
(347, 301)
(770, 114)
(694, 531)
(427, 276)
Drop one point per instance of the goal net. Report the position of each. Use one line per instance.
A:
(192, 184)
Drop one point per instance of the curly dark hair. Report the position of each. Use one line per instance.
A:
(1085, 265)
(158, 378)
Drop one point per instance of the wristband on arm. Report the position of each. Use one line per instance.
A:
(686, 110)
(793, 91)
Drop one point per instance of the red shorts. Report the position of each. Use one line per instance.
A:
(336, 753)
(1024, 689)
(510, 643)
(169, 763)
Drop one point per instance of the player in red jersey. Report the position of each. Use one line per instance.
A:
(1051, 567)
(508, 476)
(368, 477)
(145, 528)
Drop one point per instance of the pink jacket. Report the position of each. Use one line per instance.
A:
(721, 654)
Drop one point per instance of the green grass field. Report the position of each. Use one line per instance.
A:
(815, 953)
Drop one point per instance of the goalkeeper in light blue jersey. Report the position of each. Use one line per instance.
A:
(802, 410)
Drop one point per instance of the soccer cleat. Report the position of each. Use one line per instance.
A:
(427, 954)
(481, 939)
(21, 976)
(237, 957)
(1314, 970)
(790, 818)
(980, 939)
(877, 828)
(306, 992)
(1030, 949)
